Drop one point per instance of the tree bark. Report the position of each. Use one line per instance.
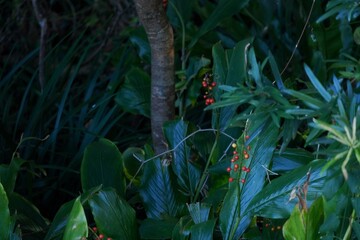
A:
(160, 35)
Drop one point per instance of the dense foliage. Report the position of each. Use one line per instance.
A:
(265, 143)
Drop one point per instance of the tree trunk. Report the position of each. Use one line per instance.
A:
(160, 35)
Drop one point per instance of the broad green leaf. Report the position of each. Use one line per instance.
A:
(102, 165)
(259, 148)
(304, 224)
(318, 86)
(9, 173)
(182, 229)
(224, 9)
(188, 175)
(76, 227)
(203, 231)
(199, 212)
(134, 95)
(132, 158)
(28, 215)
(158, 190)
(113, 216)
(4, 215)
(273, 200)
(59, 222)
(157, 229)
(290, 159)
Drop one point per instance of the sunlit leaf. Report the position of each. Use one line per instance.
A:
(76, 227)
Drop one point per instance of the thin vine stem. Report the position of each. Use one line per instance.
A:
(301, 35)
(178, 145)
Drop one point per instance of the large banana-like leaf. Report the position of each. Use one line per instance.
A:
(273, 200)
(114, 217)
(102, 165)
(255, 149)
(159, 191)
(188, 175)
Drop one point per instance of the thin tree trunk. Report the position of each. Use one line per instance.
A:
(160, 35)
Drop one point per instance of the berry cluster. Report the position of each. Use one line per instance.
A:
(236, 164)
(99, 236)
(261, 223)
(208, 84)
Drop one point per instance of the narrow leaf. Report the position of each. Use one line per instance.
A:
(319, 87)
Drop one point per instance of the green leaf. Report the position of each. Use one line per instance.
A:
(114, 217)
(158, 190)
(76, 227)
(230, 71)
(182, 229)
(132, 164)
(357, 36)
(102, 165)
(199, 212)
(28, 215)
(188, 175)
(203, 231)
(273, 200)
(4, 215)
(224, 9)
(134, 95)
(9, 173)
(290, 159)
(304, 224)
(318, 86)
(307, 100)
(276, 73)
(263, 137)
(157, 229)
(59, 222)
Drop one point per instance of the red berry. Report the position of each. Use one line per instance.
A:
(211, 100)
(236, 157)
(233, 160)
(243, 180)
(204, 84)
(101, 236)
(213, 84)
(236, 166)
(228, 169)
(247, 170)
(109, 238)
(231, 179)
(244, 168)
(245, 152)
(248, 147)
(235, 152)
(94, 229)
(246, 156)
(247, 137)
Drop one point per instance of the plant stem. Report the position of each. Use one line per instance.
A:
(348, 230)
